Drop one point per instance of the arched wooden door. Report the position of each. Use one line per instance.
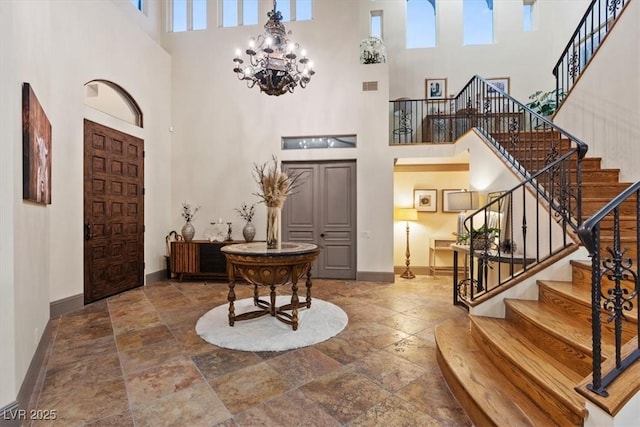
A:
(113, 212)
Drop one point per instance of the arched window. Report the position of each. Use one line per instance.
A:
(112, 99)
(421, 23)
(478, 21)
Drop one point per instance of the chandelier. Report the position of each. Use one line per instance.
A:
(273, 63)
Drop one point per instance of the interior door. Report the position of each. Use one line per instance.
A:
(323, 211)
(113, 212)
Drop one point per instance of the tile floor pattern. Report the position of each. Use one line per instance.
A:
(135, 360)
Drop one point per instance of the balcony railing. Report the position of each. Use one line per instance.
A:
(591, 31)
(414, 121)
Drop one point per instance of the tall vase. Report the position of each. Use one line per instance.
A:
(273, 227)
(188, 231)
(249, 232)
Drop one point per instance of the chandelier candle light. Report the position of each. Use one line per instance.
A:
(273, 63)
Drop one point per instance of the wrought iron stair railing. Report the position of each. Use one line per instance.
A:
(531, 222)
(586, 39)
(615, 268)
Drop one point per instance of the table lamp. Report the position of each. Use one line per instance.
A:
(462, 201)
(406, 214)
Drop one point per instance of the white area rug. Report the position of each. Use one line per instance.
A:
(316, 324)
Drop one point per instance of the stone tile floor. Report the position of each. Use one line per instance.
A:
(135, 360)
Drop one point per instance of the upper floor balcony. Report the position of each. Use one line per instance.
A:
(442, 121)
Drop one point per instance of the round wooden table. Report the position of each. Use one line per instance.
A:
(255, 264)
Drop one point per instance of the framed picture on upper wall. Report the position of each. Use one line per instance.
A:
(36, 149)
(425, 200)
(501, 83)
(436, 88)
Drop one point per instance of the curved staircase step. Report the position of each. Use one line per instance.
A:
(486, 394)
(564, 337)
(548, 382)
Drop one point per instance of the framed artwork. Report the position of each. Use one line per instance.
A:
(501, 83)
(425, 200)
(36, 149)
(436, 88)
(445, 200)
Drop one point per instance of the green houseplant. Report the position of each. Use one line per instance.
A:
(482, 238)
(545, 103)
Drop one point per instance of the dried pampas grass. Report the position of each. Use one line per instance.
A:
(274, 184)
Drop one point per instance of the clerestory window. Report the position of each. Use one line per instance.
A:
(235, 13)
(187, 15)
(421, 23)
(528, 14)
(375, 24)
(477, 18)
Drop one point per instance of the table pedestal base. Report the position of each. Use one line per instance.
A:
(269, 307)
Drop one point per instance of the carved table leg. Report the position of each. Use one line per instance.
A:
(231, 298)
(309, 288)
(294, 305)
(273, 300)
(255, 294)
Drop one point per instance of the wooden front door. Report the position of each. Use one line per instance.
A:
(323, 211)
(113, 212)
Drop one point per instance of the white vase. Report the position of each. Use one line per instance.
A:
(249, 232)
(188, 231)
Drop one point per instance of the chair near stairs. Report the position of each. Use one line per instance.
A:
(549, 360)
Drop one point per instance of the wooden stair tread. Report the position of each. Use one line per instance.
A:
(500, 400)
(578, 294)
(621, 389)
(559, 324)
(546, 372)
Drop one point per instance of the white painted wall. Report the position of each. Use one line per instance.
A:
(603, 108)
(57, 47)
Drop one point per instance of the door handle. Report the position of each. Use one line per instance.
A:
(87, 231)
(321, 234)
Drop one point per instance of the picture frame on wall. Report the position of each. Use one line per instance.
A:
(36, 149)
(445, 199)
(425, 200)
(436, 88)
(501, 83)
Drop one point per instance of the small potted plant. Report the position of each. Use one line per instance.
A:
(246, 213)
(372, 51)
(482, 239)
(188, 212)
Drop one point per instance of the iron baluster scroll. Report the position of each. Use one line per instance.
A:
(585, 41)
(620, 273)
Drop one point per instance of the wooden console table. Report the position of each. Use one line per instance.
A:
(199, 258)
(438, 245)
(259, 266)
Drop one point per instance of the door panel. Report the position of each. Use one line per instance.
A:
(323, 211)
(113, 212)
